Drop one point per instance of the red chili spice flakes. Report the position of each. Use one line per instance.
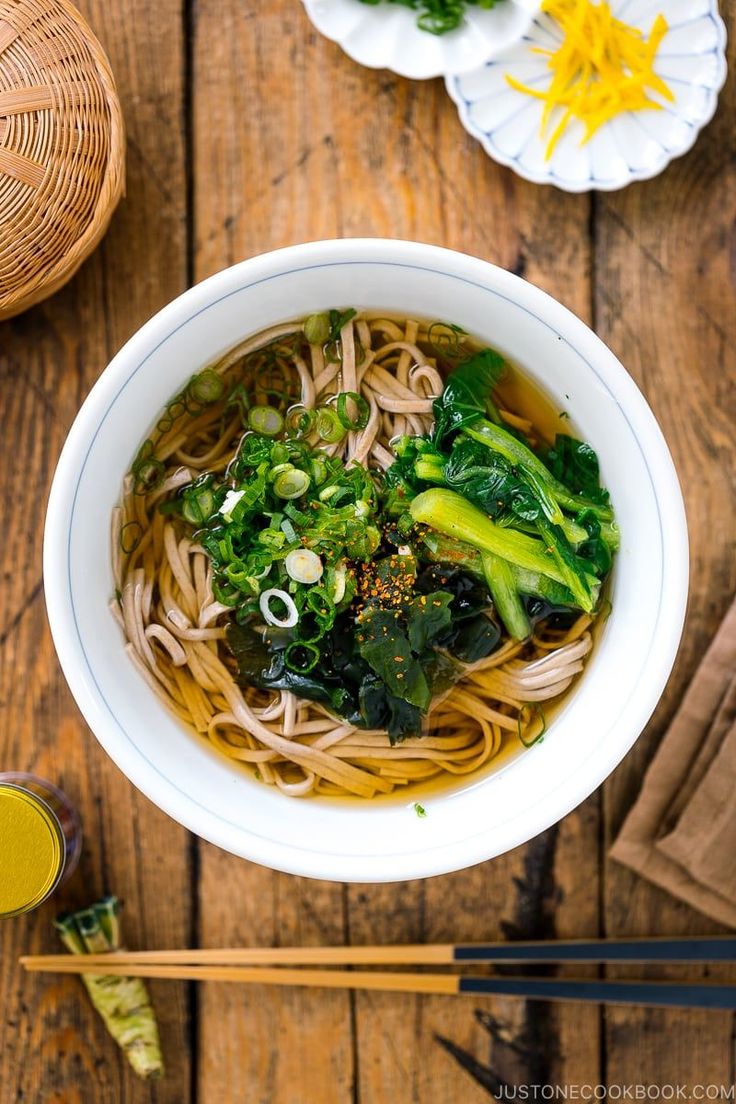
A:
(387, 592)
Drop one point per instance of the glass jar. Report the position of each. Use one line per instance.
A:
(40, 841)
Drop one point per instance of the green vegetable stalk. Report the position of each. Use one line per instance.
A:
(454, 516)
(507, 600)
(123, 1003)
(442, 549)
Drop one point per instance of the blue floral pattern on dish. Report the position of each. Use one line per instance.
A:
(632, 146)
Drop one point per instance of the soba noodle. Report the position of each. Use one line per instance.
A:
(175, 627)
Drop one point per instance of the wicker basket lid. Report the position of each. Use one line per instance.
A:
(62, 151)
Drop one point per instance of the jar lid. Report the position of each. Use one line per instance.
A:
(31, 850)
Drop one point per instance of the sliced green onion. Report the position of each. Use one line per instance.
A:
(289, 531)
(291, 484)
(445, 338)
(535, 715)
(207, 387)
(404, 525)
(304, 566)
(318, 471)
(130, 537)
(301, 657)
(237, 574)
(320, 603)
(245, 611)
(280, 453)
(253, 450)
(317, 329)
(225, 592)
(298, 451)
(193, 408)
(299, 420)
(198, 506)
(296, 515)
(279, 469)
(311, 629)
(265, 420)
(238, 396)
(147, 475)
(340, 579)
(329, 427)
(360, 421)
(272, 538)
(232, 498)
(270, 617)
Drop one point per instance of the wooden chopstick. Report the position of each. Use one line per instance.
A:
(662, 993)
(697, 949)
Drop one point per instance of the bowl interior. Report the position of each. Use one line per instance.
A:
(349, 840)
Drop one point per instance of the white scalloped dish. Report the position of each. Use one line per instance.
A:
(632, 146)
(386, 36)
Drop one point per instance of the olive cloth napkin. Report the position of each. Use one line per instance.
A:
(681, 832)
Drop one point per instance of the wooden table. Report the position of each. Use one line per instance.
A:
(247, 131)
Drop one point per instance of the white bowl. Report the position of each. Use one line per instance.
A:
(383, 840)
(386, 36)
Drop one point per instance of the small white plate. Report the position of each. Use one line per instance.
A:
(386, 36)
(634, 146)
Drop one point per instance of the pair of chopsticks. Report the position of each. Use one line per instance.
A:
(255, 965)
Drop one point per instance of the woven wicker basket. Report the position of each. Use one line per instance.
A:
(62, 151)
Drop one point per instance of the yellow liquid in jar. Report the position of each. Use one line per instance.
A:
(32, 850)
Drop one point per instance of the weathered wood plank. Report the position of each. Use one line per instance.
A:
(264, 1045)
(664, 302)
(319, 147)
(52, 1047)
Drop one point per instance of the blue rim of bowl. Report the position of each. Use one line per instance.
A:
(594, 184)
(70, 472)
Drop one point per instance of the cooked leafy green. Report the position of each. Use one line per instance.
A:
(520, 455)
(439, 16)
(575, 464)
(467, 394)
(490, 481)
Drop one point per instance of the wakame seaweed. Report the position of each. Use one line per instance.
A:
(385, 674)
